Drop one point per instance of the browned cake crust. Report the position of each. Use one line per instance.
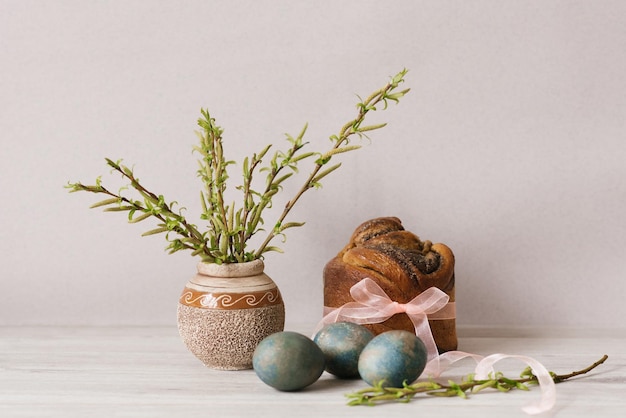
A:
(401, 264)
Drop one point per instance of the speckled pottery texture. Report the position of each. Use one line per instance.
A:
(226, 310)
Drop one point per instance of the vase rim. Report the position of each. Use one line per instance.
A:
(248, 268)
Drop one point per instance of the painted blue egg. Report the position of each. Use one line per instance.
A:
(288, 361)
(342, 343)
(393, 356)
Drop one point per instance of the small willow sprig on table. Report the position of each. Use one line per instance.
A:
(380, 394)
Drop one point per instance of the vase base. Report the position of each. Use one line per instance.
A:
(226, 339)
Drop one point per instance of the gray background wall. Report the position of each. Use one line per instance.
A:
(510, 147)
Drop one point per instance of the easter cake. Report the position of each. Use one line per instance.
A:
(402, 265)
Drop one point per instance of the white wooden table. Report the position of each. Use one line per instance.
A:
(147, 372)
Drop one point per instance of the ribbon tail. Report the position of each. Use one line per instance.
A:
(329, 318)
(441, 363)
(423, 331)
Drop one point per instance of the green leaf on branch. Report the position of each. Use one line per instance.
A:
(273, 248)
(324, 173)
(279, 228)
(326, 157)
(106, 202)
(155, 231)
(371, 127)
(140, 218)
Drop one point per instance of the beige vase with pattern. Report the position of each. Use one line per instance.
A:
(225, 310)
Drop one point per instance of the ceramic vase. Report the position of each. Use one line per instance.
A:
(226, 310)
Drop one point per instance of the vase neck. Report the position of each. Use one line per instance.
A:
(250, 268)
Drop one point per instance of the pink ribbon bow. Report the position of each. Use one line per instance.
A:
(372, 306)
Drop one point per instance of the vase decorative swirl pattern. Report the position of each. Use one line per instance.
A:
(192, 297)
(225, 310)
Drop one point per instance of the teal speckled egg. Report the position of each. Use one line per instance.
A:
(342, 343)
(393, 356)
(288, 361)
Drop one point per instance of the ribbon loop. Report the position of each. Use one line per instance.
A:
(546, 383)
